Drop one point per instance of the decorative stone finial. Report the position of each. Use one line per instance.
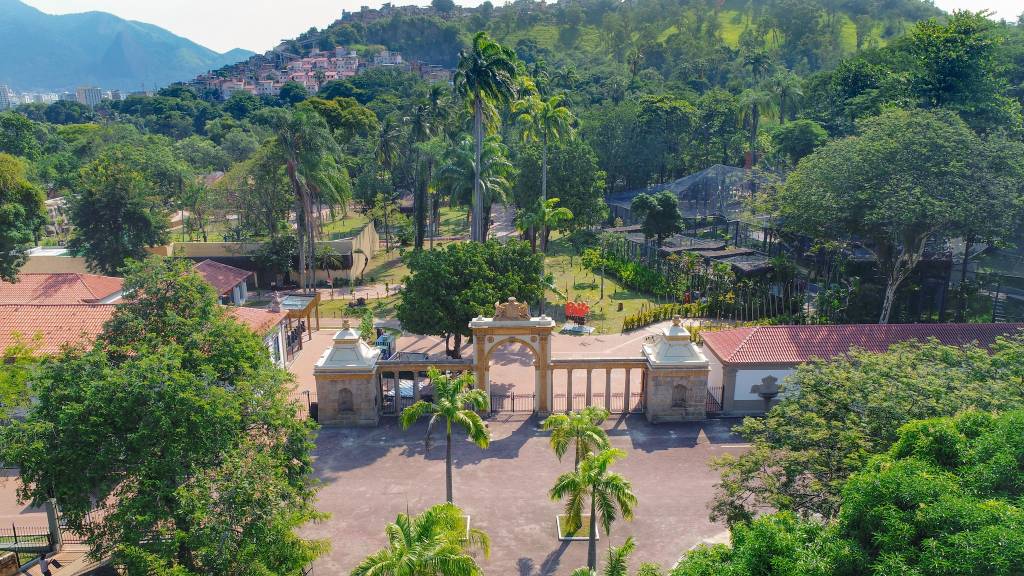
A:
(275, 302)
(511, 310)
(677, 320)
(346, 325)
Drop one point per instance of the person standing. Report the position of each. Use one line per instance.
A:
(44, 565)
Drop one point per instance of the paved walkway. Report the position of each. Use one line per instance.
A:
(371, 475)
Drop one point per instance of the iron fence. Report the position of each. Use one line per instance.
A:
(713, 403)
(513, 402)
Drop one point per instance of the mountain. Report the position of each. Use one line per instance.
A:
(41, 51)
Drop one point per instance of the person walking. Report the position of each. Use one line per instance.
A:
(44, 565)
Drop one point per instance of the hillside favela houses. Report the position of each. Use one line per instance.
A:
(264, 76)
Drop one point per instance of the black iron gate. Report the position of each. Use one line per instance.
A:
(713, 404)
(512, 402)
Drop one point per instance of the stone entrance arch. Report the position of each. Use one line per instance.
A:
(512, 323)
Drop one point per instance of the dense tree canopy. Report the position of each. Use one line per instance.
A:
(22, 215)
(191, 446)
(450, 286)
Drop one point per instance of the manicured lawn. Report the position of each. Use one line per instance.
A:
(578, 283)
(383, 308)
(345, 227)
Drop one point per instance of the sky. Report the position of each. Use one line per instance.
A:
(259, 25)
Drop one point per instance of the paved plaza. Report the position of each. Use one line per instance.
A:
(371, 475)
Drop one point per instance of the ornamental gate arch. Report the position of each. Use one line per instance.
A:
(512, 323)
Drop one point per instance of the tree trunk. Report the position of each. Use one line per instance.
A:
(913, 249)
(448, 466)
(544, 193)
(755, 120)
(961, 313)
(457, 350)
(592, 545)
(479, 232)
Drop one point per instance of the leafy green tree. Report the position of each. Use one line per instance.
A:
(959, 70)
(485, 77)
(191, 446)
(346, 117)
(545, 121)
(433, 542)
(581, 430)
(292, 93)
(755, 103)
(68, 112)
(116, 215)
(910, 177)
(573, 177)
(798, 139)
(242, 105)
(610, 494)
(22, 215)
(842, 411)
(944, 499)
(456, 402)
(449, 286)
(366, 330)
(20, 363)
(277, 255)
(202, 154)
(18, 136)
(658, 214)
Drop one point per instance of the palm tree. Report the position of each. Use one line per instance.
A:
(755, 103)
(451, 396)
(312, 161)
(544, 121)
(462, 177)
(609, 493)
(543, 217)
(421, 129)
(788, 90)
(618, 563)
(580, 429)
(430, 544)
(486, 72)
(328, 259)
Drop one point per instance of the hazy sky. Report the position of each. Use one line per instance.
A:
(259, 25)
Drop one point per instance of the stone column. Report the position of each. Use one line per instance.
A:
(590, 372)
(568, 390)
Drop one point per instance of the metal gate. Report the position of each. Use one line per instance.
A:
(513, 402)
(713, 404)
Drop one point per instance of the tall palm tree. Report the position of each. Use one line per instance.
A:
(461, 176)
(788, 90)
(486, 72)
(544, 121)
(755, 103)
(581, 430)
(433, 543)
(451, 397)
(618, 563)
(312, 161)
(421, 129)
(609, 493)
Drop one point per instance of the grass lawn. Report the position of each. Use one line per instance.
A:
(582, 534)
(578, 283)
(383, 308)
(345, 227)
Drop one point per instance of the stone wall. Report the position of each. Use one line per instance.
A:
(676, 395)
(347, 399)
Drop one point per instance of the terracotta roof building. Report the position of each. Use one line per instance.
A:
(755, 360)
(228, 281)
(70, 309)
(63, 288)
(50, 327)
(797, 344)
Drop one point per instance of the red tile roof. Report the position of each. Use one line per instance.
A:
(58, 325)
(260, 320)
(55, 324)
(64, 288)
(222, 277)
(796, 344)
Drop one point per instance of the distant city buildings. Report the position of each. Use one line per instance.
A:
(8, 99)
(88, 95)
(264, 75)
